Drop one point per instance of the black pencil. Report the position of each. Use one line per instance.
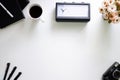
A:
(18, 75)
(6, 71)
(11, 73)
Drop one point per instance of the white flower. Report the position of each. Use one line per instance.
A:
(111, 1)
(111, 8)
(105, 16)
(106, 3)
(117, 19)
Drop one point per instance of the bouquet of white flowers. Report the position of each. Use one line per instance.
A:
(110, 11)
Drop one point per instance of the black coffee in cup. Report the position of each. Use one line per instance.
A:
(35, 11)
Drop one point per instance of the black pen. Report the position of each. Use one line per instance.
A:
(10, 75)
(6, 10)
(6, 71)
(18, 75)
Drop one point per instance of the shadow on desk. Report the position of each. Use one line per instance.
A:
(100, 41)
(68, 26)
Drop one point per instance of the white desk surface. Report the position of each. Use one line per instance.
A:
(48, 50)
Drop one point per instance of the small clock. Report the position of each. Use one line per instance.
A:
(73, 12)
